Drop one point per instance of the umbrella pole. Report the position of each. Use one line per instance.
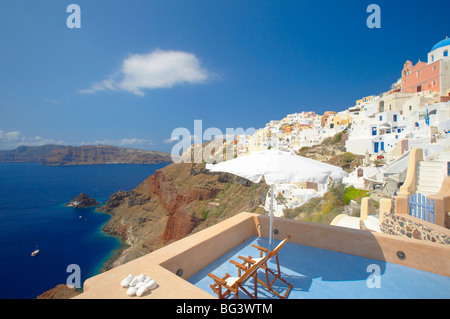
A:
(271, 217)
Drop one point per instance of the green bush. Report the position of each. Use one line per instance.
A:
(338, 191)
(352, 193)
(324, 209)
(327, 141)
(204, 213)
(337, 138)
(321, 209)
(348, 157)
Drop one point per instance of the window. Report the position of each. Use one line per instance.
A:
(432, 58)
(395, 117)
(446, 53)
(434, 82)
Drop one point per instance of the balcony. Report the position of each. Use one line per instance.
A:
(174, 266)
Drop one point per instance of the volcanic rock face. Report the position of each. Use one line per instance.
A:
(174, 202)
(180, 221)
(60, 292)
(82, 201)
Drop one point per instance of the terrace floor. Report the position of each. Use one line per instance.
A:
(319, 273)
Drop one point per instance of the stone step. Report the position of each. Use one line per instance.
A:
(426, 190)
(431, 163)
(432, 179)
(430, 170)
(429, 176)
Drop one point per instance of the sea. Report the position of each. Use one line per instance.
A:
(33, 215)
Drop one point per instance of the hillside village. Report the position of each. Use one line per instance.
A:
(413, 113)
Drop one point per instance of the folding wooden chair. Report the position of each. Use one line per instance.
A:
(269, 254)
(233, 284)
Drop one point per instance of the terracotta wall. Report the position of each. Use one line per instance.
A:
(422, 76)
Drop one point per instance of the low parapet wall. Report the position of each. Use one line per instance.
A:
(411, 227)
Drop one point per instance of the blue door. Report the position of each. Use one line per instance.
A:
(382, 146)
(375, 147)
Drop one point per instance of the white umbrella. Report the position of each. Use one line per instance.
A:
(278, 167)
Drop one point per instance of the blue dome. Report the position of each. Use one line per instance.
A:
(441, 44)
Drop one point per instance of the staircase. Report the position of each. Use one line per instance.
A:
(430, 175)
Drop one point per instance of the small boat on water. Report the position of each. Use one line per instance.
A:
(34, 253)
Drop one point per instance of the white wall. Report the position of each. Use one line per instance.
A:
(359, 145)
(438, 53)
(445, 71)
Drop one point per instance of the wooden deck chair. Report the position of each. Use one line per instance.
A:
(228, 284)
(269, 254)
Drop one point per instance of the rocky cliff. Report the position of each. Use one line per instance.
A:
(104, 154)
(60, 292)
(82, 155)
(28, 154)
(176, 201)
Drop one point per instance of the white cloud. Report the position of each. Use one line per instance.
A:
(11, 140)
(156, 70)
(104, 85)
(9, 136)
(52, 101)
(169, 141)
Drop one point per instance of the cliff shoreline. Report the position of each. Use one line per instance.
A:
(176, 201)
(56, 155)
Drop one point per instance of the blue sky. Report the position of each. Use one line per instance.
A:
(136, 70)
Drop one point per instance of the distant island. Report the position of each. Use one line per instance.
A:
(82, 201)
(82, 155)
